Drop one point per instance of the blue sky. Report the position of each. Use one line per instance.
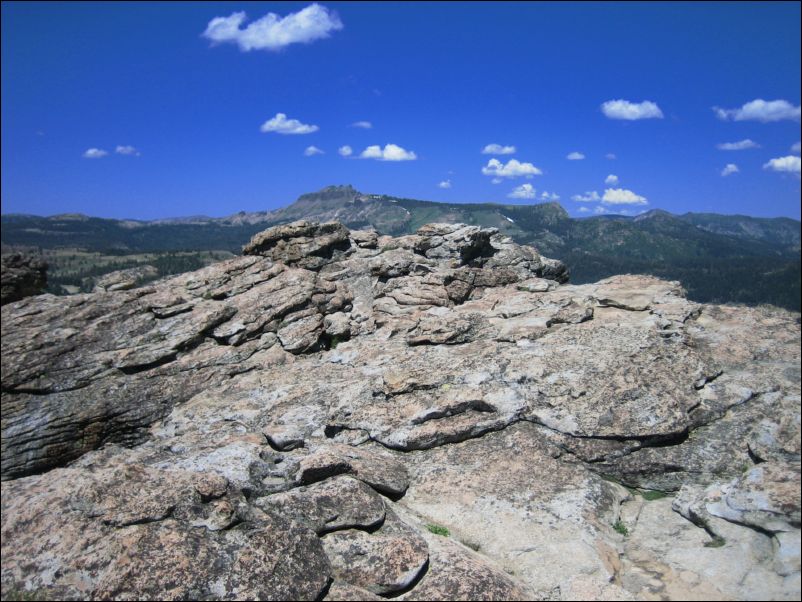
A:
(187, 109)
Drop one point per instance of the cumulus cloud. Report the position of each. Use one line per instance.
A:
(612, 179)
(273, 32)
(623, 109)
(345, 151)
(610, 156)
(740, 145)
(95, 153)
(281, 125)
(390, 152)
(365, 125)
(312, 150)
(549, 196)
(524, 191)
(591, 196)
(796, 148)
(497, 149)
(444, 184)
(584, 210)
(496, 181)
(127, 150)
(575, 156)
(512, 169)
(760, 110)
(789, 164)
(730, 168)
(621, 196)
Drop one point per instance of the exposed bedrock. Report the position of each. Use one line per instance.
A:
(343, 415)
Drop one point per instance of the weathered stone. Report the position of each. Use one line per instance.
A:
(384, 562)
(21, 276)
(766, 497)
(337, 503)
(365, 239)
(346, 591)
(123, 280)
(226, 419)
(456, 573)
(382, 472)
(305, 244)
(117, 534)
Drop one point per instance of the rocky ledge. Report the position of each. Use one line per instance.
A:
(347, 416)
(21, 276)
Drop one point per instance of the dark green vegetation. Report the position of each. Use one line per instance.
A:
(438, 530)
(717, 258)
(652, 494)
(621, 528)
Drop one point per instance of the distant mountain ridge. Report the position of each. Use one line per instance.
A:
(731, 258)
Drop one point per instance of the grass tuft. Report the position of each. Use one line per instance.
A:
(438, 530)
(621, 528)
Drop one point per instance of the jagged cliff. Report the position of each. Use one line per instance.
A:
(308, 420)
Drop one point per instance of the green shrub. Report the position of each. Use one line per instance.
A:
(438, 530)
(716, 542)
(653, 494)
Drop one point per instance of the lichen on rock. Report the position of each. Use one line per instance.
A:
(284, 425)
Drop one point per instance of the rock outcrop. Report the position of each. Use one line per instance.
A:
(21, 276)
(343, 415)
(123, 280)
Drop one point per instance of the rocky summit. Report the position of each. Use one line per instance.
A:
(340, 415)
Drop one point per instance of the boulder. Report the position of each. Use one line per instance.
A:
(21, 276)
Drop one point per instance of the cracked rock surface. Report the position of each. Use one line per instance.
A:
(307, 420)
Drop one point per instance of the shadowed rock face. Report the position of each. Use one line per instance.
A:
(292, 423)
(21, 276)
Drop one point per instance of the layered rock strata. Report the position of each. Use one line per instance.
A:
(309, 421)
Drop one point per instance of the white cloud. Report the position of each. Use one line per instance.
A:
(444, 184)
(591, 196)
(365, 125)
(740, 145)
(575, 156)
(281, 125)
(549, 196)
(796, 148)
(610, 156)
(598, 209)
(790, 164)
(497, 149)
(496, 181)
(345, 151)
(273, 32)
(127, 150)
(524, 191)
(95, 153)
(623, 109)
(513, 169)
(390, 152)
(730, 168)
(612, 179)
(584, 209)
(621, 196)
(760, 110)
(312, 150)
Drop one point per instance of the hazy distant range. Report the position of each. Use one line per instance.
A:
(718, 258)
